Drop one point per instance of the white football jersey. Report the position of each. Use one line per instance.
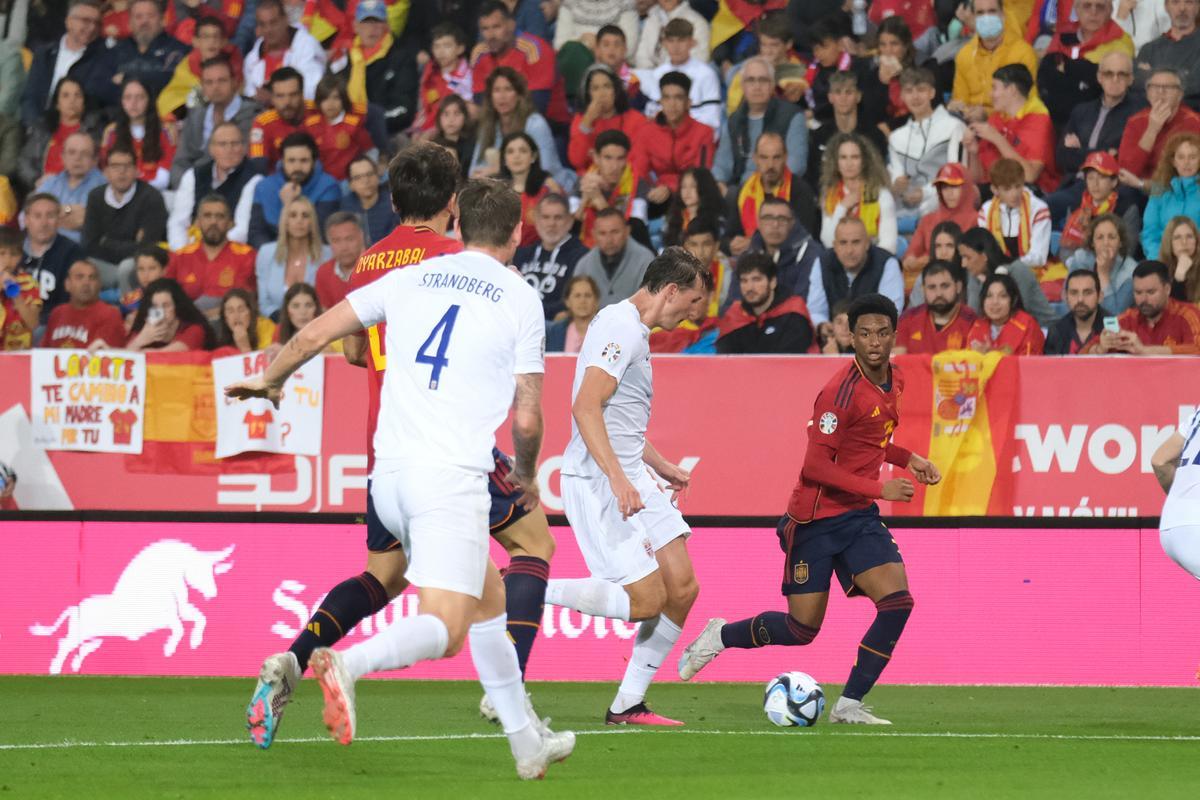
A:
(618, 343)
(1183, 501)
(459, 328)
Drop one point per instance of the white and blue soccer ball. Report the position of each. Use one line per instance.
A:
(794, 700)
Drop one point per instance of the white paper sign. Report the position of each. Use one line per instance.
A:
(88, 401)
(257, 426)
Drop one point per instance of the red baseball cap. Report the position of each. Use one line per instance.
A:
(951, 174)
(1103, 162)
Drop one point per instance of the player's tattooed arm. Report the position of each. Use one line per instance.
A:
(309, 341)
(527, 430)
(1166, 460)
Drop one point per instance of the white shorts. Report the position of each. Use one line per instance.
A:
(1182, 545)
(617, 550)
(440, 517)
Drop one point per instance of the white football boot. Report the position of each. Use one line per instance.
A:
(277, 680)
(555, 747)
(338, 687)
(702, 650)
(853, 712)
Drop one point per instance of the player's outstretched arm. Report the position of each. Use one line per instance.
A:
(527, 427)
(1166, 459)
(588, 410)
(310, 340)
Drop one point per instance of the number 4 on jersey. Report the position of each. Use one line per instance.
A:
(441, 331)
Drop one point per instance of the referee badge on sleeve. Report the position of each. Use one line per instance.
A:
(828, 423)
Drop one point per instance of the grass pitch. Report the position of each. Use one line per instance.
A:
(183, 738)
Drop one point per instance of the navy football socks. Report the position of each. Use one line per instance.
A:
(769, 627)
(346, 605)
(525, 587)
(891, 614)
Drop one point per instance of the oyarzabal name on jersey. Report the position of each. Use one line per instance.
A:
(463, 283)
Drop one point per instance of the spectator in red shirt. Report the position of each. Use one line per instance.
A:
(446, 73)
(673, 141)
(287, 115)
(1157, 324)
(1004, 326)
(502, 46)
(168, 321)
(605, 107)
(1019, 128)
(20, 296)
(339, 131)
(84, 321)
(42, 154)
(138, 127)
(209, 268)
(1149, 129)
(943, 321)
(346, 242)
(521, 168)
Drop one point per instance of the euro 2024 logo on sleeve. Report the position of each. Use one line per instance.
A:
(611, 352)
(151, 595)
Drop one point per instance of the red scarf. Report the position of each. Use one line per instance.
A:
(1111, 32)
(752, 195)
(1075, 230)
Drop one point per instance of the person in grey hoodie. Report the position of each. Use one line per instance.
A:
(616, 263)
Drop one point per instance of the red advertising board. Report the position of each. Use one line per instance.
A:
(1069, 437)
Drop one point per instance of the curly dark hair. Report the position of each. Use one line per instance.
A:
(712, 205)
(185, 310)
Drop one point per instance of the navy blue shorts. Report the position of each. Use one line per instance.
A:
(504, 511)
(848, 544)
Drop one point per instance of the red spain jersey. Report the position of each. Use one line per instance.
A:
(848, 438)
(339, 142)
(534, 58)
(917, 333)
(233, 266)
(403, 247)
(270, 129)
(1178, 327)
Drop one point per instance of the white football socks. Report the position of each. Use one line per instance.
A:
(405, 642)
(653, 644)
(589, 596)
(496, 664)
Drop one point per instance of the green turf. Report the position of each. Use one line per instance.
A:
(1018, 759)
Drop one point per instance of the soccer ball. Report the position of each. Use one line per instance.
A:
(794, 699)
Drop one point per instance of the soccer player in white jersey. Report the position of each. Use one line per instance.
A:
(1177, 466)
(463, 333)
(628, 528)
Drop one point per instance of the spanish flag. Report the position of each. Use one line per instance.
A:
(970, 437)
(181, 423)
(734, 16)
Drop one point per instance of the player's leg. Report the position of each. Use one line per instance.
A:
(656, 637)
(440, 518)
(533, 744)
(530, 548)
(807, 572)
(623, 584)
(878, 572)
(344, 606)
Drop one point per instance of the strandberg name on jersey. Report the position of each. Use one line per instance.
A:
(463, 283)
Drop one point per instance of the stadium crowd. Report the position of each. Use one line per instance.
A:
(1019, 176)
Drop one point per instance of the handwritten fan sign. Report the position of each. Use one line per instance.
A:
(255, 425)
(88, 401)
